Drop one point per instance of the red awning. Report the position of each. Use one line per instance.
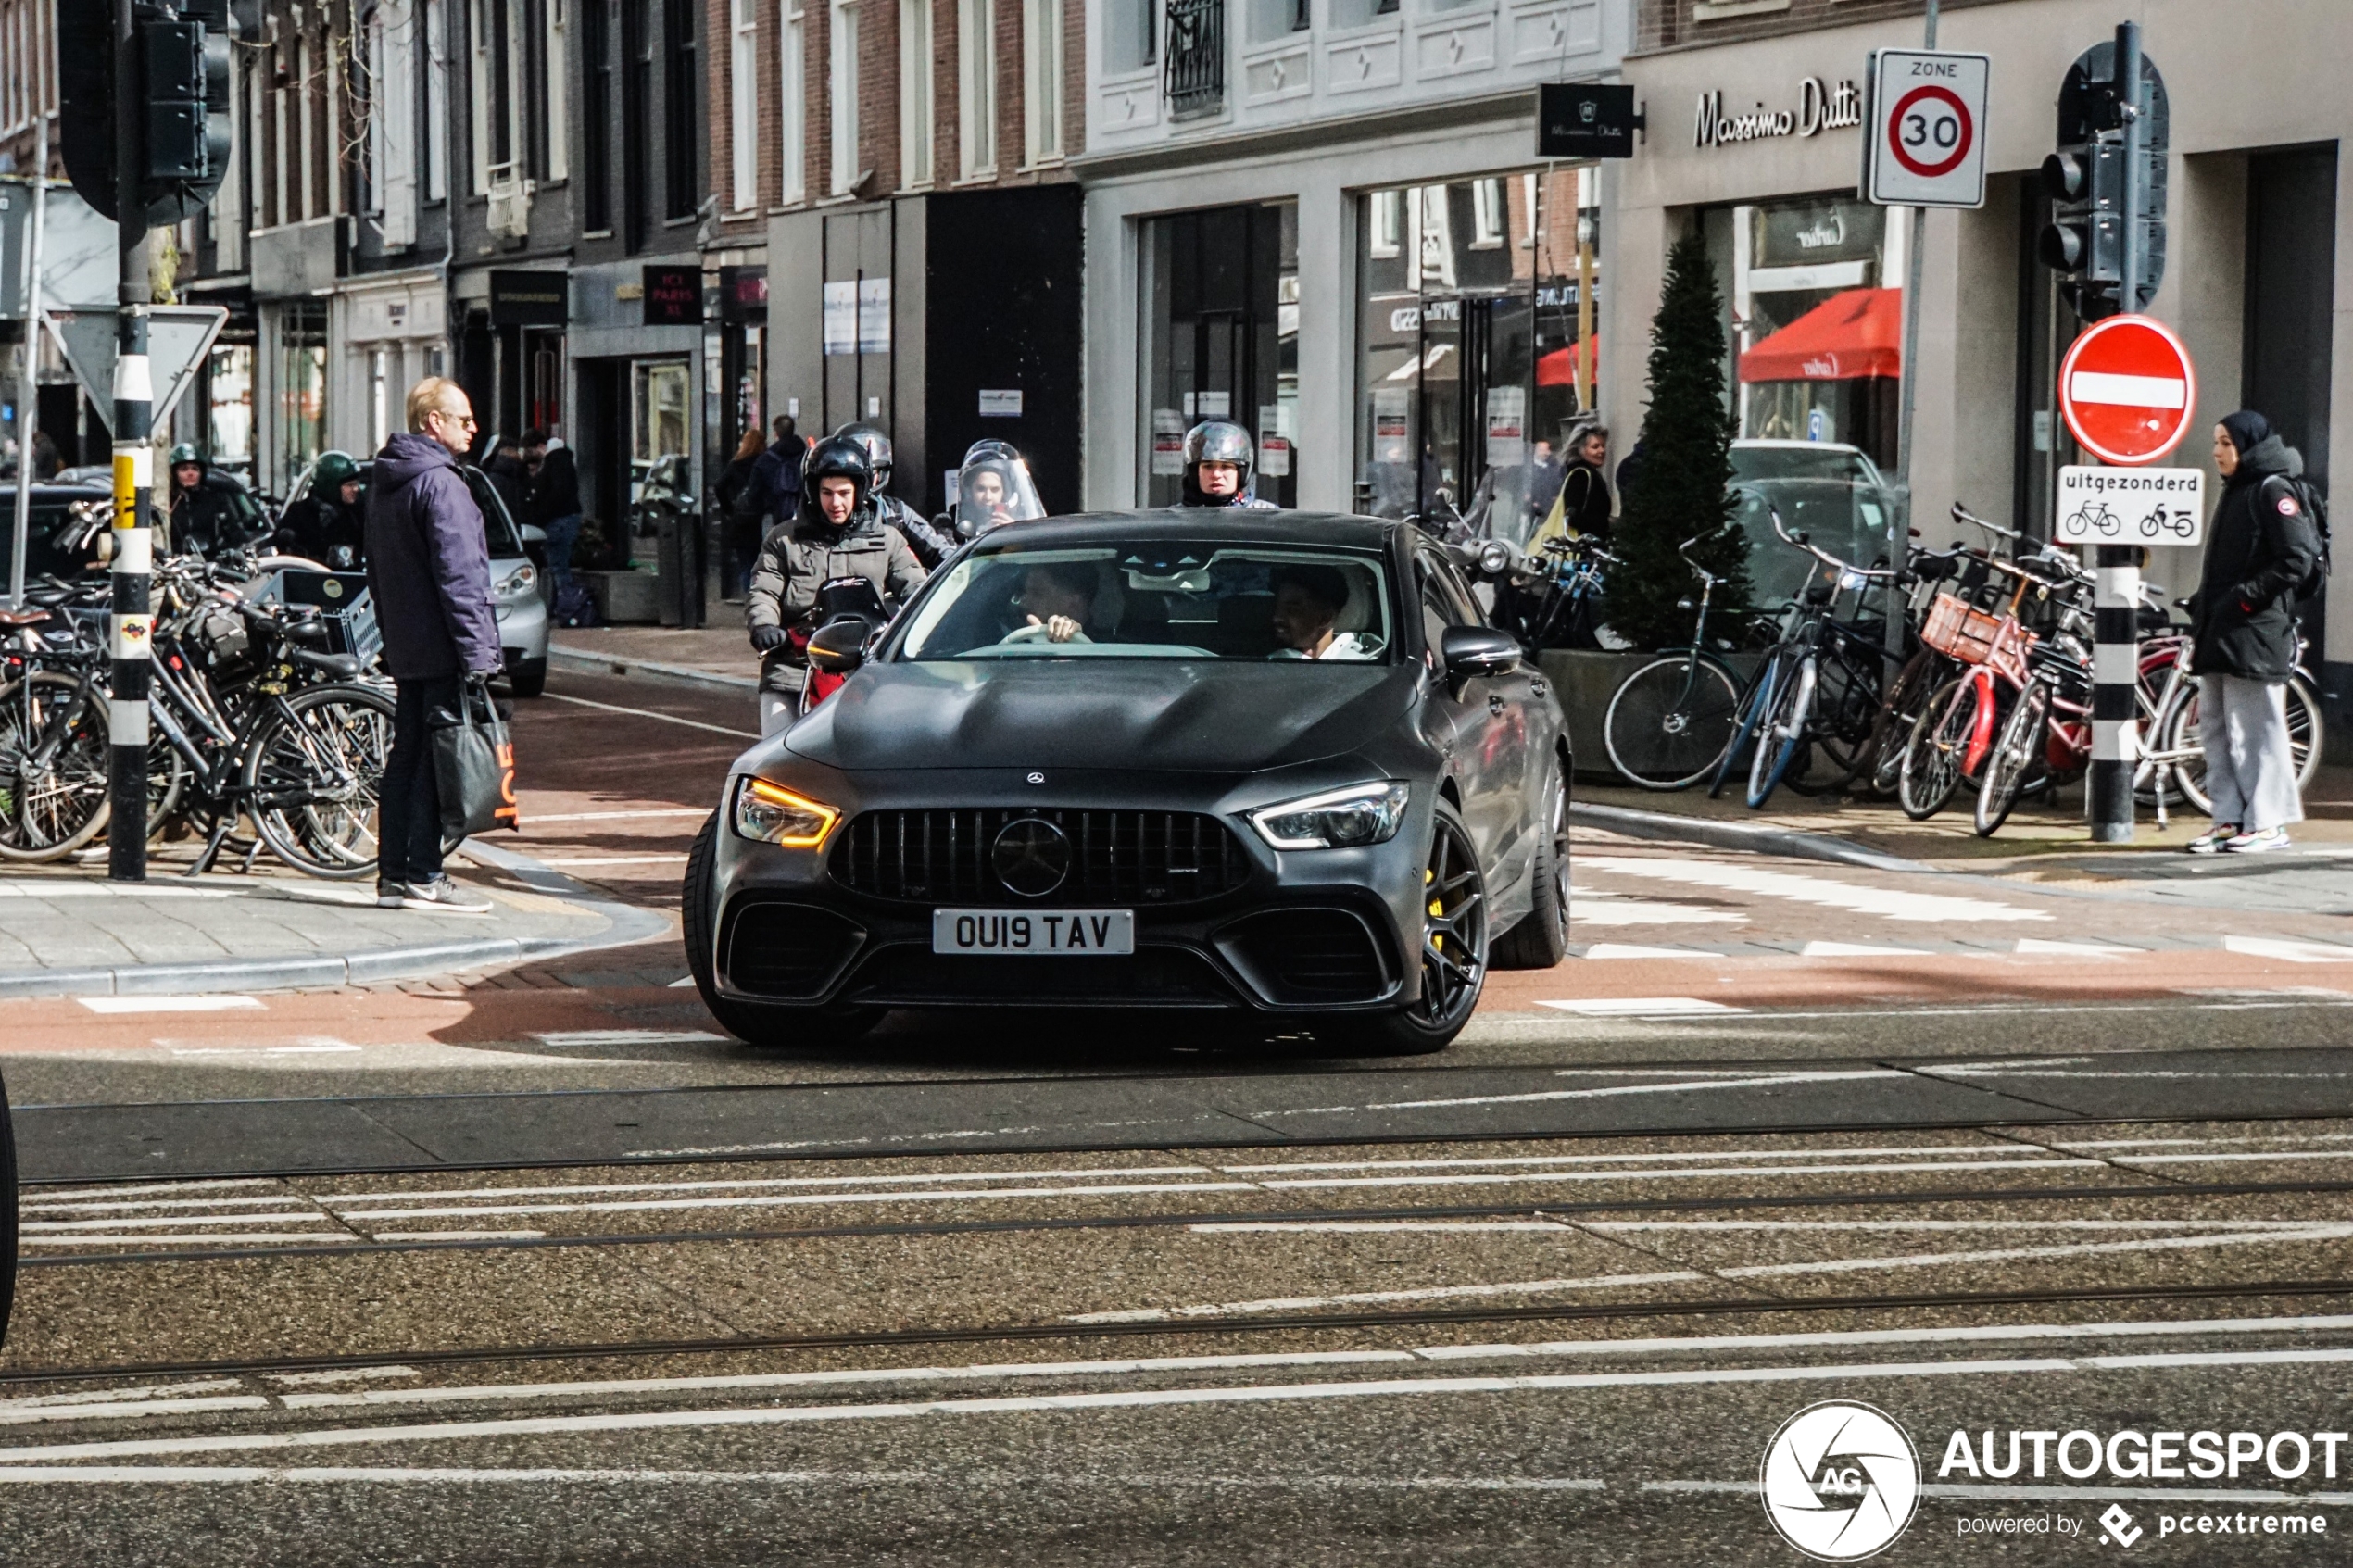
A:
(1559, 367)
(1847, 337)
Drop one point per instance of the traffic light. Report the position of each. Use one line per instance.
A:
(2085, 181)
(182, 108)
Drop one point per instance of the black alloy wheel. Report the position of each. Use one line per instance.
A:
(1454, 952)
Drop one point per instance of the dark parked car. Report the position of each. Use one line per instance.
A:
(1271, 765)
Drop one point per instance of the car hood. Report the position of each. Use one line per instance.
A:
(1169, 714)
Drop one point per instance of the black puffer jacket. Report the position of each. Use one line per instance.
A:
(2259, 548)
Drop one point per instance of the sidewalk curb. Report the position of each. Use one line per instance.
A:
(1737, 835)
(621, 665)
(625, 925)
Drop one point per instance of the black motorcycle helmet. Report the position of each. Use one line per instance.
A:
(839, 456)
(877, 446)
(1216, 441)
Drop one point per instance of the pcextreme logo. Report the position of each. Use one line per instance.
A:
(1840, 1481)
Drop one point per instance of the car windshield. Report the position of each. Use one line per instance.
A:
(1161, 599)
(1832, 494)
(1809, 461)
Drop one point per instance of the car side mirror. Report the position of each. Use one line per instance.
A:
(533, 535)
(1470, 652)
(838, 646)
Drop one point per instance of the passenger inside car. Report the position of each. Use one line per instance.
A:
(1309, 601)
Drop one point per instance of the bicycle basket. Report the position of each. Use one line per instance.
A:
(1956, 629)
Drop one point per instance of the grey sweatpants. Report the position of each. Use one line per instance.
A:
(2250, 770)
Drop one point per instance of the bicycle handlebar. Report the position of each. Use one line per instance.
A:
(1822, 555)
(1962, 514)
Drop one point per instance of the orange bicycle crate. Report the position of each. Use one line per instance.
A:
(1958, 630)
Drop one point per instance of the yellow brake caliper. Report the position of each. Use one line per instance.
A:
(1436, 908)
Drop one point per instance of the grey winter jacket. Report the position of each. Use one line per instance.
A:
(428, 564)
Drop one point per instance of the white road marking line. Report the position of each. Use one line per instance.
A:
(169, 1004)
(2201, 1143)
(566, 1037)
(1857, 950)
(1351, 1228)
(1771, 1080)
(1707, 1173)
(339, 1375)
(1381, 1297)
(1685, 1157)
(1835, 1338)
(911, 1178)
(1733, 876)
(127, 1189)
(455, 1236)
(2189, 1495)
(122, 1396)
(242, 1475)
(2223, 1159)
(1634, 950)
(2030, 945)
(128, 1223)
(337, 1049)
(1409, 1387)
(536, 818)
(1588, 909)
(1614, 1226)
(648, 713)
(209, 1238)
(52, 1207)
(1642, 1007)
(784, 1201)
(670, 859)
(128, 1409)
(2024, 1254)
(682, 983)
(2294, 952)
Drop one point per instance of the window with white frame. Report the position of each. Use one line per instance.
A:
(478, 83)
(914, 93)
(392, 89)
(1487, 215)
(976, 88)
(1387, 207)
(371, 109)
(792, 106)
(432, 140)
(842, 48)
(1041, 84)
(555, 72)
(743, 88)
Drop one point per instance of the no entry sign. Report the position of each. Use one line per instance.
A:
(1925, 137)
(2127, 390)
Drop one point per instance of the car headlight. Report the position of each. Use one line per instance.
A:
(518, 580)
(773, 814)
(1338, 818)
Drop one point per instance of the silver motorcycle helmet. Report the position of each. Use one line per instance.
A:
(1217, 441)
(877, 447)
(993, 488)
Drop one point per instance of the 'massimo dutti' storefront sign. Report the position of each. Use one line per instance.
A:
(1820, 106)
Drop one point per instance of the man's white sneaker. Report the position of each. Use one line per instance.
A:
(2212, 843)
(2258, 843)
(440, 893)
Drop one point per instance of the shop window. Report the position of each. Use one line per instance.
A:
(302, 386)
(1220, 326)
(660, 429)
(1474, 356)
(792, 106)
(229, 404)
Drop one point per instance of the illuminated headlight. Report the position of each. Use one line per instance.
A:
(1340, 819)
(773, 814)
(518, 580)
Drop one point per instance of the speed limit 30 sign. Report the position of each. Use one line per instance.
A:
(1924, 135)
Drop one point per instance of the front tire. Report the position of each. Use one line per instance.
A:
(1454, 952)
(2021, 746)
(1933, 752)
(1540, 939)
(762, 1026)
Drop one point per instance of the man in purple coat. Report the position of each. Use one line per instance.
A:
(429, 573)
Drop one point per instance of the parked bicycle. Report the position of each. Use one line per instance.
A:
(1669, 722)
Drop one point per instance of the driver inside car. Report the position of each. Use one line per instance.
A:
(1308, 601)
(1056, 600)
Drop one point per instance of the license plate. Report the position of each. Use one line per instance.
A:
(998, 933)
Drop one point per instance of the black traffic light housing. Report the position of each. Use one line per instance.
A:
(2085, 181)
(184, 87)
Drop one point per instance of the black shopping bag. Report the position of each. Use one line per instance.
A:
(473, 765)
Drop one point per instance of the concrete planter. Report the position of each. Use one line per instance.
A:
(1584, 680)
(622, 599)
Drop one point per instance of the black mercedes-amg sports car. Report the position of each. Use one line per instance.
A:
(1273, 765)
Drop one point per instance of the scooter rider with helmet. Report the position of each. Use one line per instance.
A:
(930, 545)
(1218, 459)
(325, 525)
(836, 534)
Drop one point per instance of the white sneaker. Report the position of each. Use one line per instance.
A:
(440, 893)
(2258, 843)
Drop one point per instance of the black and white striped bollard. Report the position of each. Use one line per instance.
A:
(2116, 647)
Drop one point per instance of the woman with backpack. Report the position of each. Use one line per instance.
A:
(2261, 552)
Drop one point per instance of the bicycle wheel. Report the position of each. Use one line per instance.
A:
(1846, 708)
(2015, 754)
(1915, 683)
(1756, 698)
(1933, 753)
(312, 774)
(54, 760)
(1784, 736)
(2305, 732)
(1668, 724)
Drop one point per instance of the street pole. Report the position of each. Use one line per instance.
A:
(133, 474)
(27, 379)
(2116, 593)
(1910, 372)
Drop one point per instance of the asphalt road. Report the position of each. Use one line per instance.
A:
(539, 1267)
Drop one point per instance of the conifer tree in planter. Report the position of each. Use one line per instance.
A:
(1680, 487)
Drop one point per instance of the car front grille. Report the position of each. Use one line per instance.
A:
(945, 854)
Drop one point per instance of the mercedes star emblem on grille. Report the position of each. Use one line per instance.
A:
(1032, 856)
(1036, 778)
